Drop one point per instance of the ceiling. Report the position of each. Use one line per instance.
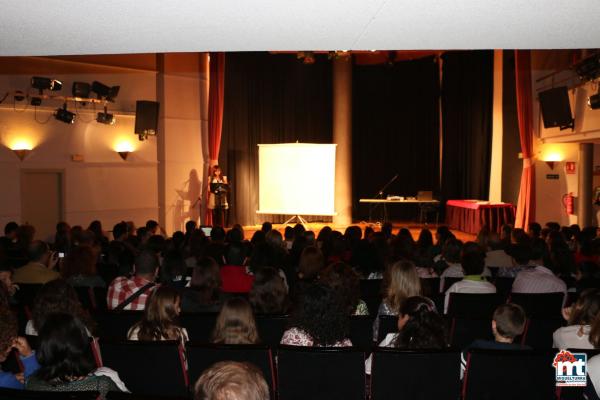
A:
(71, 27)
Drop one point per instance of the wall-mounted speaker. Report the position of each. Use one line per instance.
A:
(556, 109)
(146, 118)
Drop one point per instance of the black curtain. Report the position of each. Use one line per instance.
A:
(395, 131)
(467, 101)
(269, 99)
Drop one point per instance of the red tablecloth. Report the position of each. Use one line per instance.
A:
(471, 215)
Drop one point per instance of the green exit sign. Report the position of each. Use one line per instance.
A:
(551, 176)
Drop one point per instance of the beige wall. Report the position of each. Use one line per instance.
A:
(103, 186)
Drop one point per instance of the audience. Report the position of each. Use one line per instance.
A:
(40, 268)
(65, 360)
(579, 317)
(160, 318)
(132, 293)
(269, 293)
(318, 319)
(79, 268)
(204, 294)
(231, 380)
(341, 278)
(235, 323)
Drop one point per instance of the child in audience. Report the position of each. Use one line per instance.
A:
(66, 363)
(231, 380)
(319, 319)
(402, 281)
(579, 317)
(8, 341)
(473, 262)
(235, 323)
(160, 318)
(419, 327)
(508, 322)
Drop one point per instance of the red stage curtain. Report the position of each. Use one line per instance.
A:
(216, 86)
(526, 204)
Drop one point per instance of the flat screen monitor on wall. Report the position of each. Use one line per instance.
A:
(556, 108)
(296, 179)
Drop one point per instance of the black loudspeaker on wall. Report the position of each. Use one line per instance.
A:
(556, 109)
(146, 118)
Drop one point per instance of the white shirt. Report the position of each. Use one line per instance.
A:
(572, 337)
(538, 280)
(454, 270)
(386, 342)
(593, 369)
(468, 286)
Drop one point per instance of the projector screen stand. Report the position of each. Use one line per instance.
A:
(299, 219)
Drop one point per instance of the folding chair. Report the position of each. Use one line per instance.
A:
(152, 368)
(361, 330)
(539, 305)
(199, 325)
(19, 394)
(430, 286)
(320, 373)
(370, 293)
(538, 332)
(415, 375)
(387, 324)
(116, 324)
(515, 375)
(463, 331)
(449, 281)
(271, 327)
(473, 305)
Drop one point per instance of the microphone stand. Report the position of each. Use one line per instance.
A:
(379, 195)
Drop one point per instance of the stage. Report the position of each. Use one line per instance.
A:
(397, 225)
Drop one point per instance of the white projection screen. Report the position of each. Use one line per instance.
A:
(296, 179)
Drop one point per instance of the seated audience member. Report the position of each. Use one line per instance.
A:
(310, 264)
(319, 319)
(588, 276)
(496, 256)
(288, 235)
(65, 360)
(576, 335)
(508, 322)
(10, 231)
(40, 268)
(401, 282)
(473, 262)
(79, 268)
(8, 341)
(423, 254)
(234, 276)
(419, 327)
(173, 269)
(269, 293)
(160, 318)
(593, 364)
(56, 296)
(231, 380)
(451, 257)
(235, 323)
(204, 294)
(521, 255)
(538, 279)
(153, 227)
(132, 293)
(346, 284)
(6, 278)
(62, 238)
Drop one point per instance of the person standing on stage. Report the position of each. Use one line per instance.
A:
(217, 199)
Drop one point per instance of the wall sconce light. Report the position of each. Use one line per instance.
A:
(21, 153)
(124, 148)
(21, 148)
(550, 164)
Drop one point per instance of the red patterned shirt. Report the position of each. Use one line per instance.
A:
(122, 287)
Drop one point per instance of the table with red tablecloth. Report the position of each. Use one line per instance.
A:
(471, 215)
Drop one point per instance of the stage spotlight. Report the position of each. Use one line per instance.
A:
(105, 118)
(36, 101)
(63, 115)
(81, 89)
(42, 84)
(19, 95)
(594, 101)
(105, 92)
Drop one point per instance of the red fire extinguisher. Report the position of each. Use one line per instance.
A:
(568, 202)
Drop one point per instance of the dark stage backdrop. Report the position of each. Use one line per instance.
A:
(467, 100)
(395, 131)
(269, 99)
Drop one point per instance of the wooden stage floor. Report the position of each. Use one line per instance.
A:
(412, 226)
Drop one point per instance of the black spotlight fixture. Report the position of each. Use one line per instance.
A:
(105, 118)
(81, 89)
(63, 115)
(36, 101)
(594, 101)
(105, 92)
(19, 95)
(42, 84)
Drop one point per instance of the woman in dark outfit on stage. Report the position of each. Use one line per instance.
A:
(217, 197)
